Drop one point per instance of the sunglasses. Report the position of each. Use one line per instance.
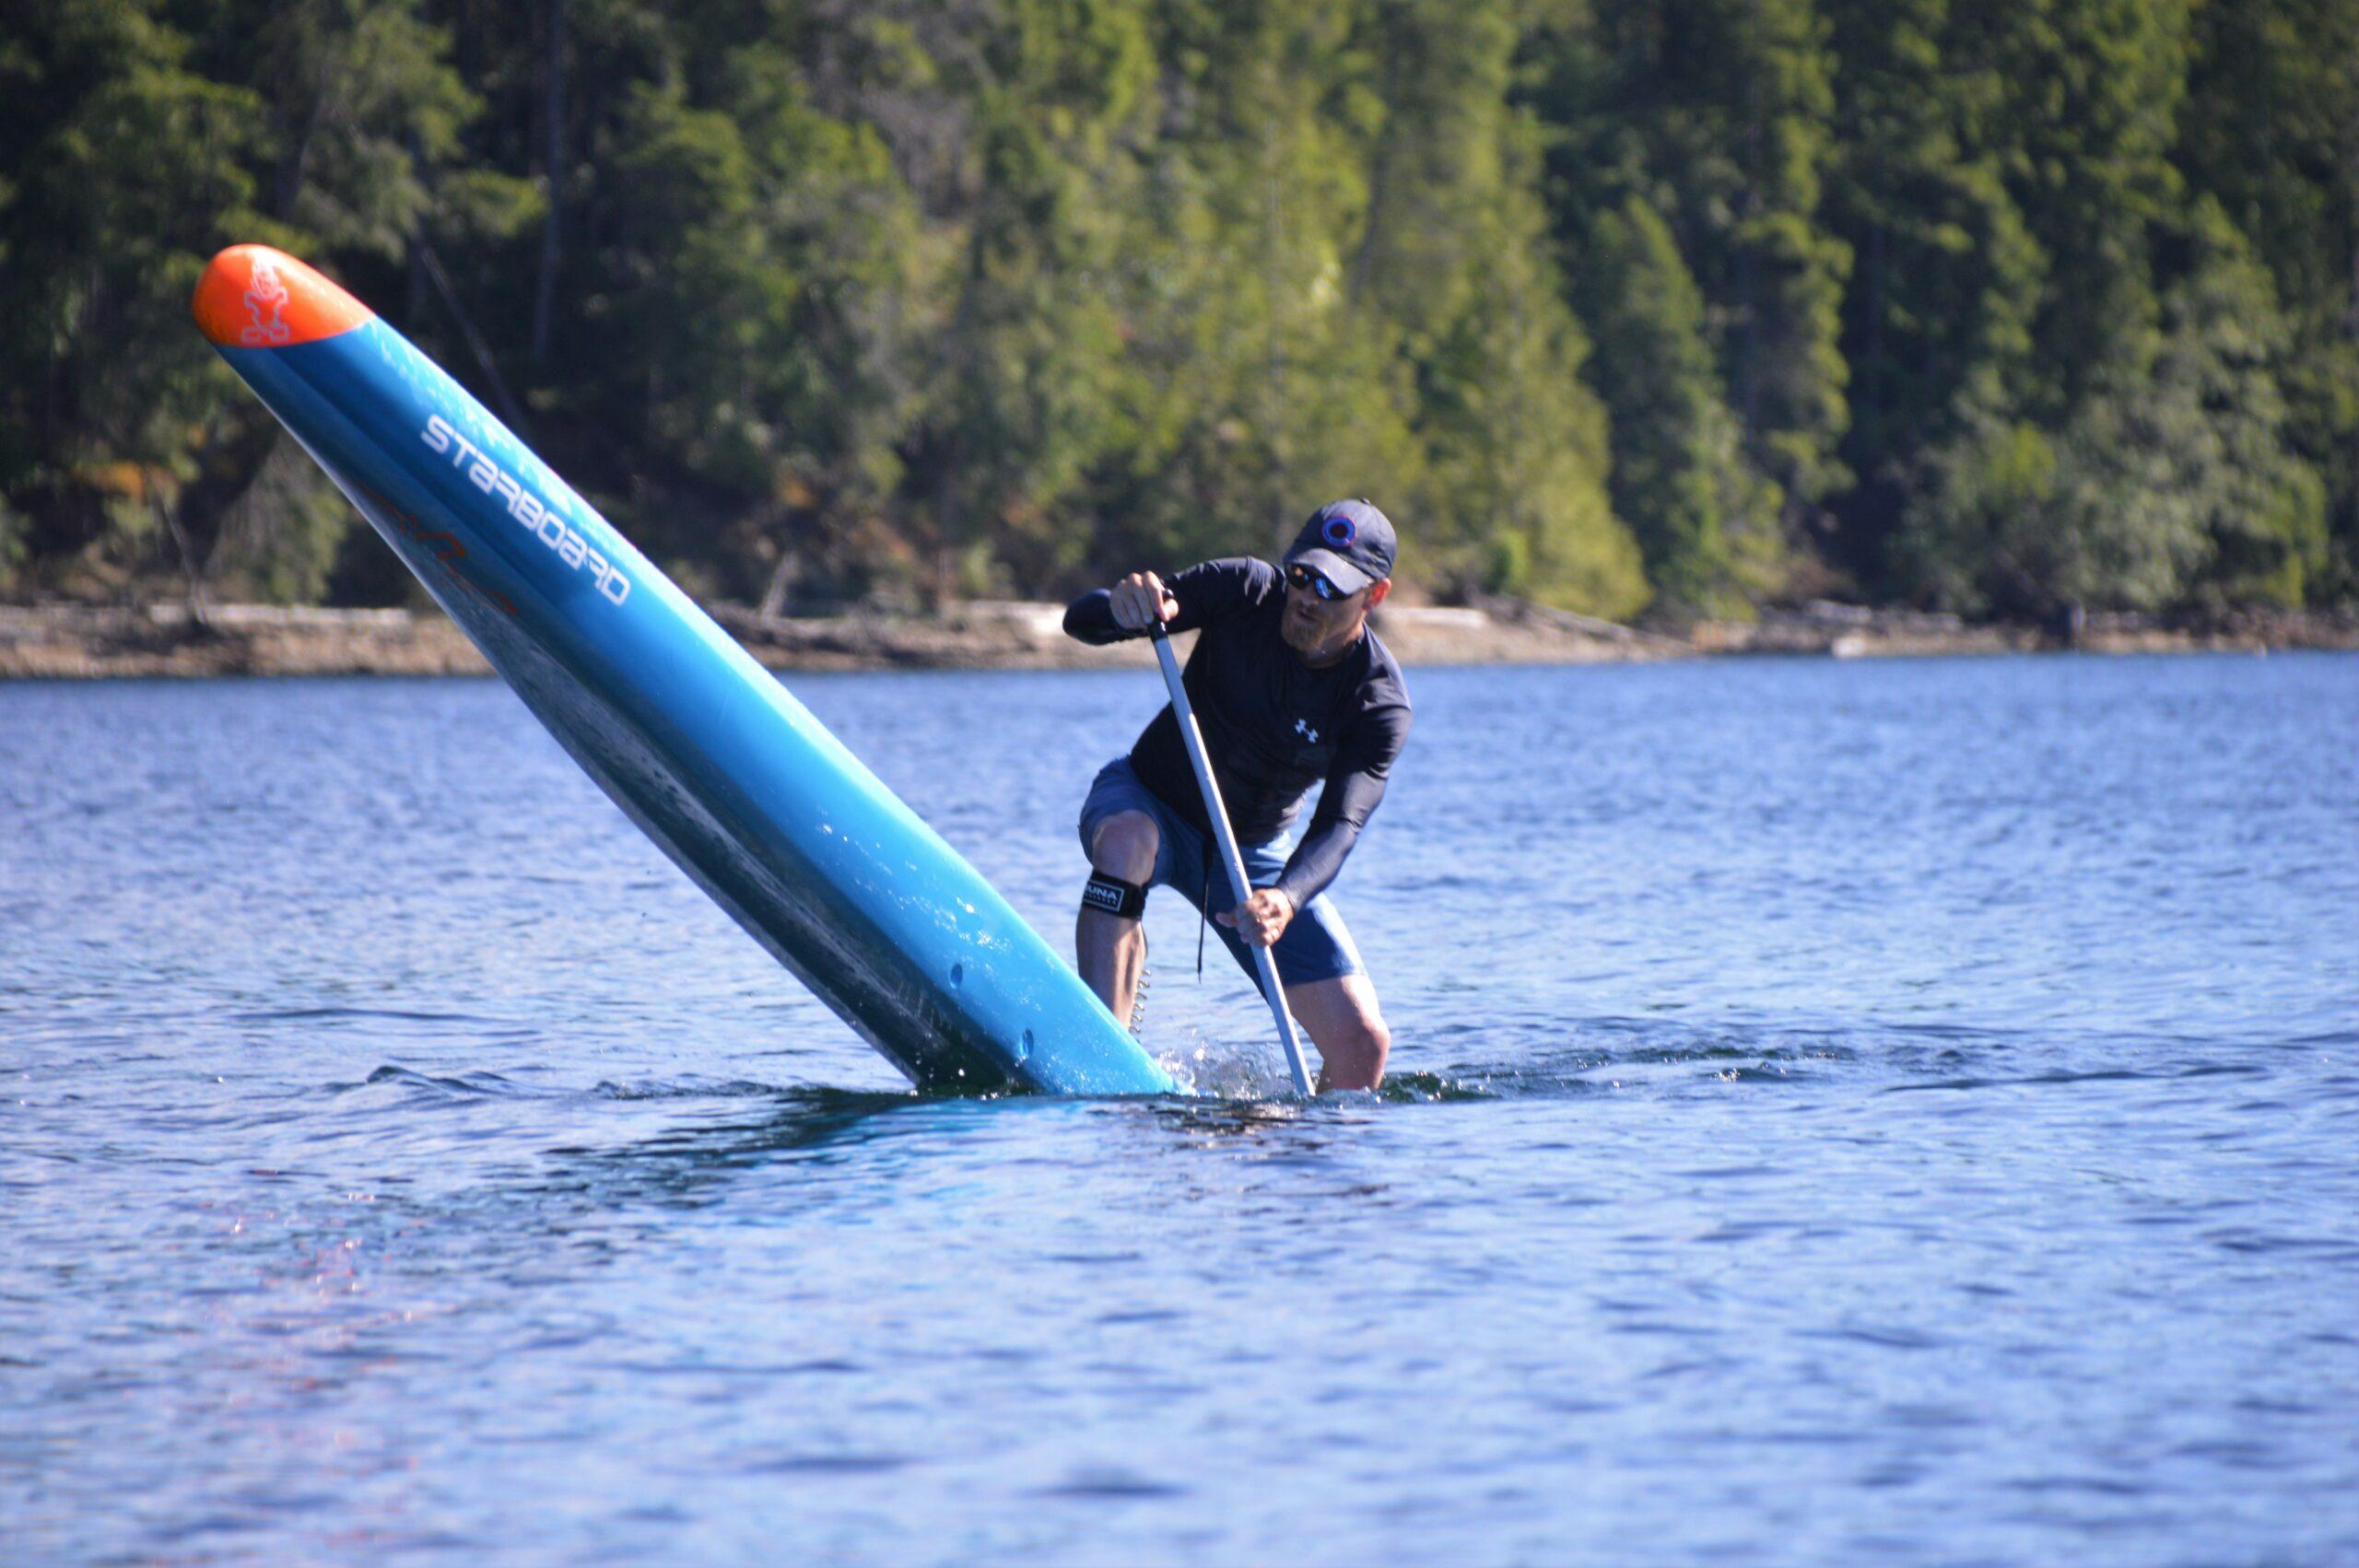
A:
(1311, 582)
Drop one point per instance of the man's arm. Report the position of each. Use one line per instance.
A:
(1355, 788)
(1191, 598)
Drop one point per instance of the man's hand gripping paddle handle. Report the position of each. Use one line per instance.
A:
(1265, 967)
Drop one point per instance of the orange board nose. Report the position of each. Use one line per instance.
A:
(253, 296)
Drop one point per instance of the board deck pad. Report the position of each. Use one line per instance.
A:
(705, 750)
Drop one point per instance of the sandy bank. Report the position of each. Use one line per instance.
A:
(62, 641)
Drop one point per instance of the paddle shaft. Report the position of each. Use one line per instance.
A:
(1266, 967)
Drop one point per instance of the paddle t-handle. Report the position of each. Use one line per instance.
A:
(1265, 969)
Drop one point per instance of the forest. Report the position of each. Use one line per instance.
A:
(1642, 308)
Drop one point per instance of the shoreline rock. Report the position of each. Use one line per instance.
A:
(106, 642)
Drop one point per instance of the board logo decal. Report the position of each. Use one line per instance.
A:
(266, 299)
(546, 524)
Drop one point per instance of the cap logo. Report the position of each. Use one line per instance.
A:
(1339, 530)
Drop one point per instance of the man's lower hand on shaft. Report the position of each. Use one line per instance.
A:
(1262, 918)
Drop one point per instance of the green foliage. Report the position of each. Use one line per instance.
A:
(2171, 481)
(1618, 304)
(2270, 130)
(1255, 385)
(2263, 508)
(743, 343)
(1453, 259)
(1706, 520)
(280, 539)
(1979, 534)
(2089, 90)
(1949, 280)
(1718, 114)
(354, 108)
(143, 152)
(1030, 358)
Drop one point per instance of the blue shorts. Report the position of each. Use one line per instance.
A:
(1316, 946)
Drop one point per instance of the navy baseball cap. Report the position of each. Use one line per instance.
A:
(1348, 542)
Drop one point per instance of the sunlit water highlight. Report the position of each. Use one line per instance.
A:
(1858, 1112)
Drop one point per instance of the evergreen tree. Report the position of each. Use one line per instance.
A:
(2172, 480)
(1938, 319)
(1031, 356)
(1718, 114)
(2271, 129)
(2090, 91)
(1454, 260)
(1612, 302)
(120, 171)
(1705, 520)
(1261, 387)
(2263, 506)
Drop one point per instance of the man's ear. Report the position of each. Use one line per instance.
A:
(1376, 594)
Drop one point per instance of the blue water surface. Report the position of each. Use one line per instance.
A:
(1842, 1112)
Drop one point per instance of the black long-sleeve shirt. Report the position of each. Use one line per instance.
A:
(1272, 725)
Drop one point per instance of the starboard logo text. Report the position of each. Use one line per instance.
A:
(553, 530)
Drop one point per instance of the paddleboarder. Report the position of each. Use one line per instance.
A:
(1292, 690)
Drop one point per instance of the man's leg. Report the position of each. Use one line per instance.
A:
(1342, 1019)
(1111, 951)
(1327, 986)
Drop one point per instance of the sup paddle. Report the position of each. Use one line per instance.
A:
(1265, 969)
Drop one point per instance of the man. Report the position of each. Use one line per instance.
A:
(1291, 690)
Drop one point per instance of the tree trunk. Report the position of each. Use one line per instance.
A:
(782, 578)
(192, 568)
(475, 341)
(553, 100)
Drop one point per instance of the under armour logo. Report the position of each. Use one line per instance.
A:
(1302, 727)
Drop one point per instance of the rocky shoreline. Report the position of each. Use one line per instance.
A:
(72, 641)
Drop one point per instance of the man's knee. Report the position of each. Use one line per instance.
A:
(1366, 1040)
(1125, 846)
(1345, 1023)
(1354, 1054)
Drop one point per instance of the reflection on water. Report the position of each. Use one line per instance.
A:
(819, 1124)
(1840, 1111)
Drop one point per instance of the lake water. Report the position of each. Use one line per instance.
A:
(1843, 1112)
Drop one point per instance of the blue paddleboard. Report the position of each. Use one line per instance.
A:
(698, 744)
